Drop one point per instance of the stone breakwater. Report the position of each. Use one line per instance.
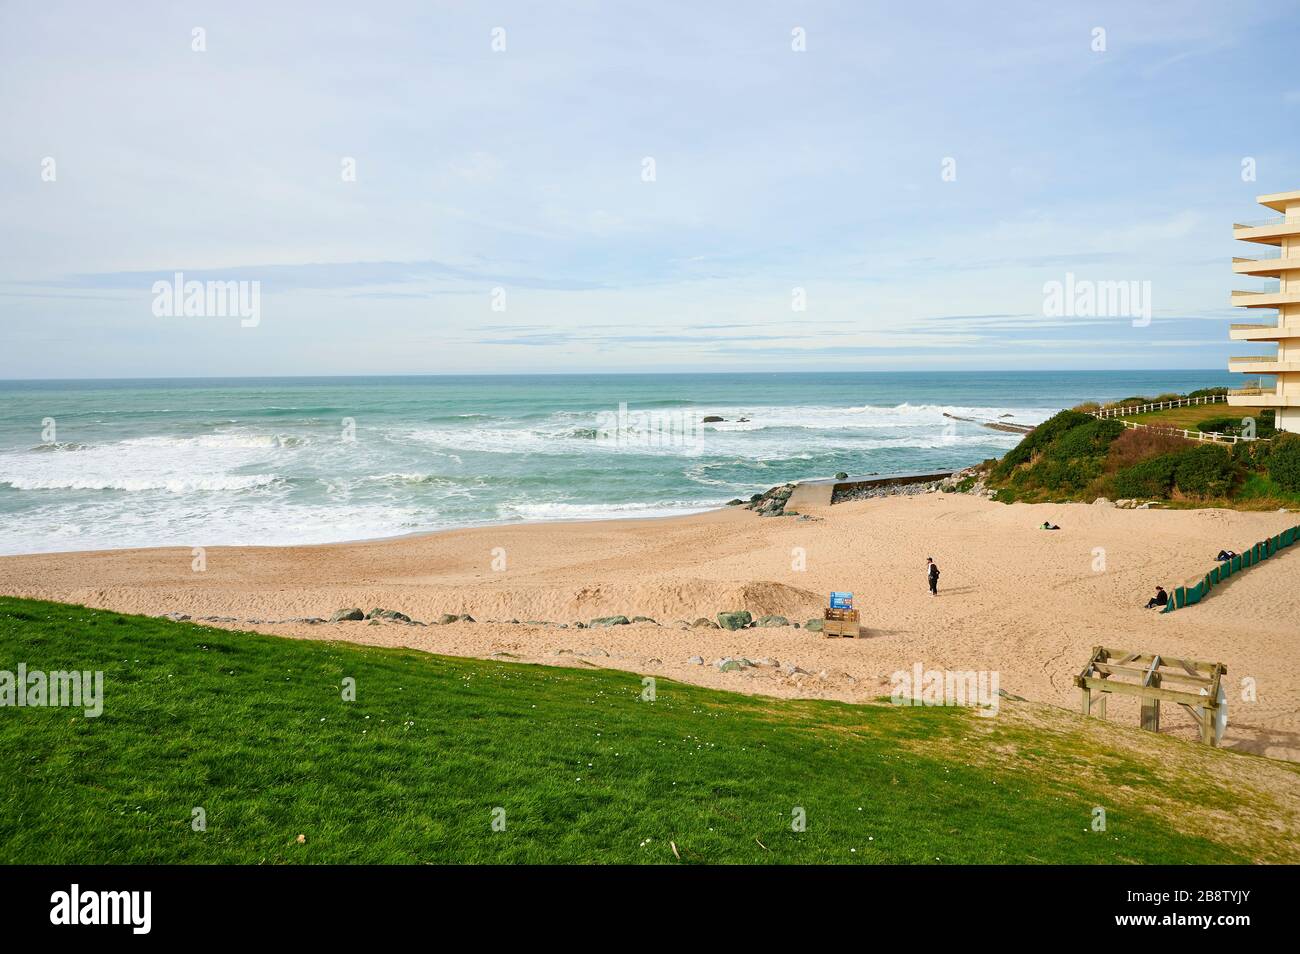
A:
(968, 481)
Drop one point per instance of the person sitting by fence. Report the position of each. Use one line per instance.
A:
(1225, 555)
(1160, 599)
(1049, 526)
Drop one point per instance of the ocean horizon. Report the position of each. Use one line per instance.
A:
(103, 464)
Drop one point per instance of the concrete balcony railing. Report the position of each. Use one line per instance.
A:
(1270, 231)
(1262, 397)
(1261, 364)
(1265, 299)
(1266, 266)
(1238, 332)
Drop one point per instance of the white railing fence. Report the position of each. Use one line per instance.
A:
(1205, 436)
(1159, 406)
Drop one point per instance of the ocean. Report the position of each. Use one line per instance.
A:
(207, 462)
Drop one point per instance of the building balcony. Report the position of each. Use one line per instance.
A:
(1279, 201)
(1269, 231)
(1266, 266)
(1238, 332)
(1265, 299)
(1262, 364)
(1262, 397)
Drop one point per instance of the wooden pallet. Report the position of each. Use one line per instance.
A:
(840, 622)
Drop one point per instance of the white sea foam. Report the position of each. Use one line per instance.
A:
(596, 511)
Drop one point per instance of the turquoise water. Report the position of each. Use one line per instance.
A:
(274, 461)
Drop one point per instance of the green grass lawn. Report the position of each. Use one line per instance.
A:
(1184, 417)
(254, 730)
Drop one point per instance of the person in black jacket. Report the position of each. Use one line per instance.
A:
(1160, 599)
(932, 574)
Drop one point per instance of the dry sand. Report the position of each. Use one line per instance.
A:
(1017, 600)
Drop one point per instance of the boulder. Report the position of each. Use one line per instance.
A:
(378, 613)
(813, 624)
(713, 419)
(643, 619)
(465, 618)
(841, 475)
(609, 621)
(1103, 502)
(695, 661)
(446, 618)
(347, 615)
(773, 620)
(728, 664)
(736, 619)
(703, 623)
(735, 502)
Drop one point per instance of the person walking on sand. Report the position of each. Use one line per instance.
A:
(932, 573)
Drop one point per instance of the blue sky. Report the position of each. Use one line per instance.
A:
(522, 170)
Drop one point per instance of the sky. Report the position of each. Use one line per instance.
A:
(600, 187)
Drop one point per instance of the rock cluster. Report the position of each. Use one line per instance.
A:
(883, 490)
(772, 503)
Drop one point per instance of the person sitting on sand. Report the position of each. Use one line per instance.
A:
(1049, 526)
(1160, 599)
(1225, 555)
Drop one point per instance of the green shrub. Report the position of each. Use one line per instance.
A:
(1039, 439)
(1153, 477)
(1140, 443)
(1207, 392)
(1086, 440)
(1284, 462)
(1230, 424)
(1252, 455)
(1206, 470)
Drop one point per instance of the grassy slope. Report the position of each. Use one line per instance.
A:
(253, 729)
(1183, 417)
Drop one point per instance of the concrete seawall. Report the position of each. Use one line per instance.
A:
(818, 493)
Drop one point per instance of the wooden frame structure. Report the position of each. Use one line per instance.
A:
(840, 622)
(1144, 675)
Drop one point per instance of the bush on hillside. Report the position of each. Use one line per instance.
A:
(1202, 470)
(1284, 462)
(1206, 470)
(1063, 455)
(1253, 455)
(1134, 401)
(1037, 440)
(1153, 477)
(1230, 424)
(1139, 444)
(1207, 392)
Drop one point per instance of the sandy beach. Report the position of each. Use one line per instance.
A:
(1026, 603)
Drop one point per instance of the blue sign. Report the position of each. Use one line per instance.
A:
(841, 601)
